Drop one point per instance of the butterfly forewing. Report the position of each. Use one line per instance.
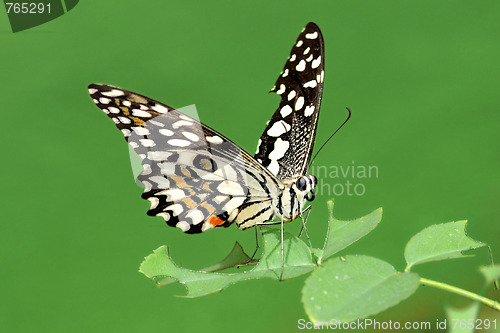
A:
(286, 145)
(194, 177)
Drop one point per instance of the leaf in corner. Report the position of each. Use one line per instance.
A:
(490, 273)
(439, 242)
(462, 320)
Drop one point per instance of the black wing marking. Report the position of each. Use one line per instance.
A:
(194, 177)
(286, 145)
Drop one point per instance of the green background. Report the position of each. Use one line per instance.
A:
(422, 79)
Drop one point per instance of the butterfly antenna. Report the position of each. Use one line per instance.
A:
(331, 136)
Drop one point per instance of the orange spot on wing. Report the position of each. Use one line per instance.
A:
(215, 221)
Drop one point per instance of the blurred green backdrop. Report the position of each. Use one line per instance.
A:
(422, 79)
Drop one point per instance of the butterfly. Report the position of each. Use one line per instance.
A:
(197, 179)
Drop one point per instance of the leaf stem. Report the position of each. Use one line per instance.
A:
(440, 285)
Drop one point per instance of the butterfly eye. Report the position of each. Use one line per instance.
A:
(301, 184)
(311, 196)
(314, 181)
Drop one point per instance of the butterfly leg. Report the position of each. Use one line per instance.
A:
(282, 249)
(282, 232)
(256, 244)
(304, 228)
(308, 211)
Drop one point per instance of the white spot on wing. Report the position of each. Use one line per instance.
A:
(174, 194)
(309, 110)
(158, 155)
(315, 63)
(293, 57)
(147, 142)
(147, 169)
(313, 35)
(280, 148)
(147, 186)
(278, 128)
(299, 43)
(141, 113)
(300, 103)
(311, 84)
(154, 202)
(301, 66)
(124, 120)
(285, 111)
(191, 136)
(285, 73)
(166, 132)
(274, 167)
(141, 130)
(183, 225)
(113, 93)
(281, 90)
(206, 226)
(176, 209)
(214, 139)
(156, 123)
(159, 108)
(104, 100)
(196, 216)
(306, 51)
(178, 142)
(258, 146)
(180, 123)
(291, 94)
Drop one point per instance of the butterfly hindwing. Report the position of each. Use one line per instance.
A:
(194, 177)
(286, 145)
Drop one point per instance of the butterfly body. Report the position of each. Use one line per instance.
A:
(197, 179)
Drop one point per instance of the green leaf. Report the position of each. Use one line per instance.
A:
(297, 259)
(354, 288)
(341, 234)
(237, 257)
(439, 242)
(462, 320)
(491, 273)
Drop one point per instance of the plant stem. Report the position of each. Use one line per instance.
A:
(486, 301)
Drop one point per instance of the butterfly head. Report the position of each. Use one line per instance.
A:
(304, 188)
(297, 191)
